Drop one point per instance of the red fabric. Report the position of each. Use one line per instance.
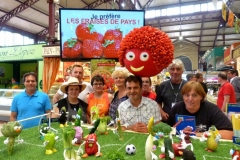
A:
(151, 95)
(226, 89)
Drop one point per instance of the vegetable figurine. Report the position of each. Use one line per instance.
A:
(160, 130)
(78, 118)
(11, 130)
(102, 127)
(63, 117)
(49, 142)
(92, 147)
(68, 141)
(94, 114)
(119, 127)
(213, 138)
(168, 149)
(188, 155)
(44, 130)
(235, 153)
(146, 51)
(149, 142)
(78, 135)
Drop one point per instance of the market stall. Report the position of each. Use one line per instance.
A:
(15, 62)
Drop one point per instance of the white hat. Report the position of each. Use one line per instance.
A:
(72, 81)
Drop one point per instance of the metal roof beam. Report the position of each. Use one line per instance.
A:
(35, 9)
(193, 36)
(182, 4)
(147, 4)
(90, 6)
(130, 4)
(186, 30)
(216, 35)
(218, 40)
(215, 15)
(140, 5)
(95, 4)
(84, 2)
(15, 11)
(26, 20)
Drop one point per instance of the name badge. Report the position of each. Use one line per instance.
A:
(173, 104)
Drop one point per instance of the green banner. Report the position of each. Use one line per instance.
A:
(30, 52)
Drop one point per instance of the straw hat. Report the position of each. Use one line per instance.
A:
(72, 81)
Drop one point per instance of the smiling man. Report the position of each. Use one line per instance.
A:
(29, 103)
(169, 92)
(77, 71)
(135, 112)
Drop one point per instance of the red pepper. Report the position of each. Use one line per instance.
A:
(91, 146)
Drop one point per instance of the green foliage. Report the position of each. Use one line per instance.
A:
(162, 127)
(114, 155)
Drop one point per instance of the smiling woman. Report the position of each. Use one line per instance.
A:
(72, 103)
(206, 113)
(98, 100)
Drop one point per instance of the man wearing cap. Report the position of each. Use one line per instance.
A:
(72, 103)
(77, 71)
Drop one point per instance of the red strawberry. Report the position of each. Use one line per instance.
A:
(87, 31)
(111, 34)
(111, 48)
(91, 49)
(72, 48)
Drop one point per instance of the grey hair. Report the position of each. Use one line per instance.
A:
(178, 63)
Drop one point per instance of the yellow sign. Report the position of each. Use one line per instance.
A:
(30, 52)
(236, 53)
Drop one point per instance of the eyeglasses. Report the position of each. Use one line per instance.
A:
(145, 81)
(97, 84)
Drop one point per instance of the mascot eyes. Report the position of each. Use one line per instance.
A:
(130, 56)
(144, 56)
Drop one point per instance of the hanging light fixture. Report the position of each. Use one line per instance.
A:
(180, 36)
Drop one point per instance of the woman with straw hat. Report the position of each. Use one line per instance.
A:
(72, 103)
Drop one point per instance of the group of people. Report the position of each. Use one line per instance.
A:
(134, 100)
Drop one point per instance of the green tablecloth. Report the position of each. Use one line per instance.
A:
(32, 147)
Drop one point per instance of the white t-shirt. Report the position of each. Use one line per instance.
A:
(83, 94)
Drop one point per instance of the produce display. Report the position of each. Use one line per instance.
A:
(111, 147)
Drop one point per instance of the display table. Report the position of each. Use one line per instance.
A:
(32, 147)
(6, 97)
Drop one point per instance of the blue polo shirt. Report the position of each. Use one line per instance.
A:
(29, 106)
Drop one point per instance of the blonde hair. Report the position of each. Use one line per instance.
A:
(178, 63)
(120, 73)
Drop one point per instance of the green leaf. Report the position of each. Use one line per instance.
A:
(71, 42)
(107, 42)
